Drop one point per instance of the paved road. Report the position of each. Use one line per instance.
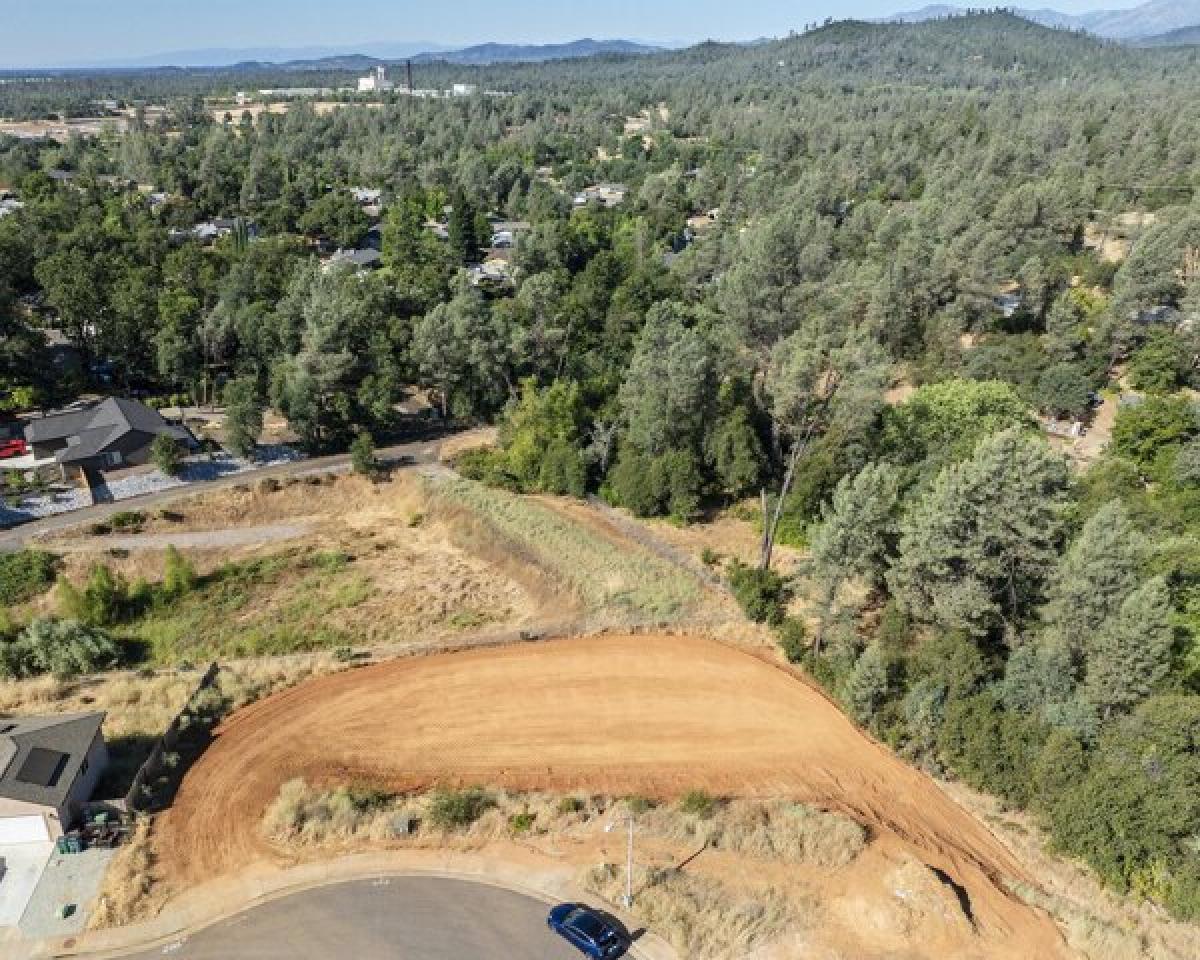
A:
(419, 451)
(401, 918)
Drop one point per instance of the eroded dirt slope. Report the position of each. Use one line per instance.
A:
(646, 714)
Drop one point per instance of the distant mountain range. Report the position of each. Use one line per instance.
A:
(352, 56)
(487, 53)
(1151, 20)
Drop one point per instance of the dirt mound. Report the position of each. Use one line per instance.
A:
(646, 714)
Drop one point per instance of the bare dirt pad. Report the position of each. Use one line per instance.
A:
(647, 714)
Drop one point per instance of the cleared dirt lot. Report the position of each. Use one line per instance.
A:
(646, 714)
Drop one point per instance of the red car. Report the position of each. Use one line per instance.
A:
(13, 448)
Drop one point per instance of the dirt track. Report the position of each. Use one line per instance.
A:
(654, 715)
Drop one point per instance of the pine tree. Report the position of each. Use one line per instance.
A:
(1130, 656)
(1094, 577)
(975, 550)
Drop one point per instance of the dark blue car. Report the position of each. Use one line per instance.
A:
(587, 930)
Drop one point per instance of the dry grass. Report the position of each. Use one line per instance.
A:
(765, 830)
(700, 917)
(611, 577)
(129, 892)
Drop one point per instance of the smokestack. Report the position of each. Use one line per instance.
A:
(410, 85)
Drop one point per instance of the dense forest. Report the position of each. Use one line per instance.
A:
(897, 287)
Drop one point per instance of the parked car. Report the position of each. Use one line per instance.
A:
(13, 448)
(589, 931)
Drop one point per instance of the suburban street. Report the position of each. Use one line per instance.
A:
(399, 918)
(414, 452)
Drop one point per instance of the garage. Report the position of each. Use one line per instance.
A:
(30, 829)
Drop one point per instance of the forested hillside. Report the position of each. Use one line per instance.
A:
(856, 274)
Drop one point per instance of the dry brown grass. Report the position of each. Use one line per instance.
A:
(701, 917)
(129, 892)
(765, 830)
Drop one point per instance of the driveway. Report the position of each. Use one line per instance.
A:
(398, 918)
(23, 866)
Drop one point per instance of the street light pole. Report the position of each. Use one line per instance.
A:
(627, 900)
(629, 867)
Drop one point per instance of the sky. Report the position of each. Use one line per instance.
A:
(68, 32)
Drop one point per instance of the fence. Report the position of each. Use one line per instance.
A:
(154, 762)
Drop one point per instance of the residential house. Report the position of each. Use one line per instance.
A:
(210, 231)
(361, 260)
(1008, 304)
(113, 433)
(492, 274)
(602, 194)
(49, 767)
(506, 232)
(1158, 316)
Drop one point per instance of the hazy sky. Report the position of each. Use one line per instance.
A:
(49, 32)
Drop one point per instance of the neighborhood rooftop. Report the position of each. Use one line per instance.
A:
(89, 431)
(41, 757)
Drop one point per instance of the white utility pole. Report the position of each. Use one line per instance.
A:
(628, 900)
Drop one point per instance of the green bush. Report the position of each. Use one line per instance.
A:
(455, 809)
(990, 748)
(105, 600)
(26, 574)
(762, 594)
(64, 648)
(569, 805)
(638, 805)
(697, 803)
(127, 521)
(362, 455)
(179, 576)
(793, 639)
(1141, 432)
(167, 454)
(486, 466)
(522, 822)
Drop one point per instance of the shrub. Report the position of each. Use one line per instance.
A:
(179, 576)
(64, 648)
(697, 803)
(569, 805)
(793, 639)
(167, 454)
(362, 455)
(1141, 432)
(25, 574)
(455, 809)
(638, 805)
(522, 822)
(486, 466)
(105, 599)
(128, 521)
(762, 594)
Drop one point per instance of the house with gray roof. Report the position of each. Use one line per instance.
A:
(362, 260)
(113, 433)
(49, 767)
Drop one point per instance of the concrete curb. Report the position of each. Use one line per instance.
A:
(200, 909)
